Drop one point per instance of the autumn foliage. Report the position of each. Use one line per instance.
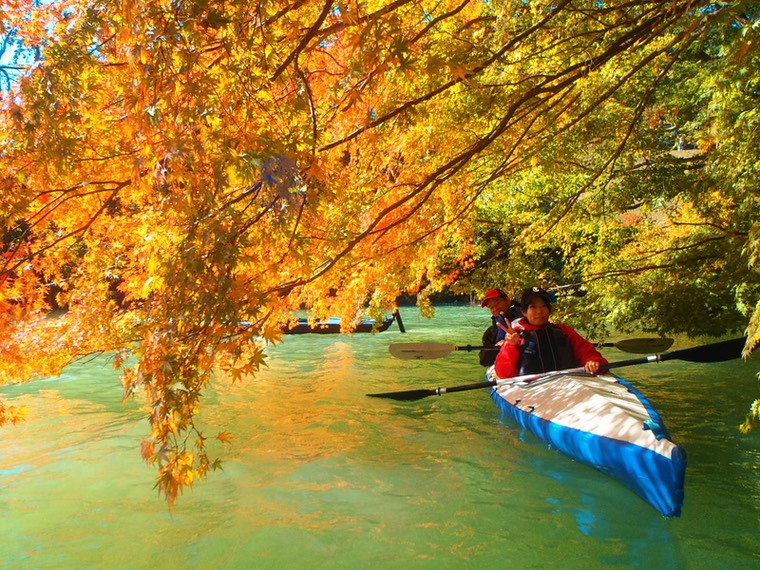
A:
(170, 169)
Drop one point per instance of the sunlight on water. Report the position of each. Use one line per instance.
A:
(320, 476)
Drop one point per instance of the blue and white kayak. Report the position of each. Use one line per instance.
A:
(604, 422)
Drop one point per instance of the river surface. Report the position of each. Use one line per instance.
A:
(320, 476)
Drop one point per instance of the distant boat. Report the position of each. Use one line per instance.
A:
(332, 325)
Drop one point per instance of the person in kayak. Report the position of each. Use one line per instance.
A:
(503, 311)
(533, 345)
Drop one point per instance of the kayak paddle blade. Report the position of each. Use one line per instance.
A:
(642, 345)
(407, 395)
(717, 352)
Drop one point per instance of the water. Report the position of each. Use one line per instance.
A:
(320, 476)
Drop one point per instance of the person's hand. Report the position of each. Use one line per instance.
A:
(513, 338)
(592, 366)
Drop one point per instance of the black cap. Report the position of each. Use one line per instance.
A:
(529, 294)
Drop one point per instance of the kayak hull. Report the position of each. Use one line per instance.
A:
(604, 422)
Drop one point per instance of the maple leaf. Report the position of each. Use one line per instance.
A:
(224, 437)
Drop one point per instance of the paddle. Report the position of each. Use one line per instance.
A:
(397, 316)
(717, 352)
(430, 350)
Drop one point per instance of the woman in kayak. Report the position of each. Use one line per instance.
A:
(533, 345)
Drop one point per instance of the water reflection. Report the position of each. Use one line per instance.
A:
(318, 475)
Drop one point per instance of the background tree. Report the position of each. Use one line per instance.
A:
(170, 169)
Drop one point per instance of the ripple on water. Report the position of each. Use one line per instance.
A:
(319, 475)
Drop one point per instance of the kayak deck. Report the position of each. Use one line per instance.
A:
(602, 421)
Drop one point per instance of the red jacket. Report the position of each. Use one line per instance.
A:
(508, 359)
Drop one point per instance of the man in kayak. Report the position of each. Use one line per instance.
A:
(533, 345)
(503, 311)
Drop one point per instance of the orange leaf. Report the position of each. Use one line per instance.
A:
(224, 437)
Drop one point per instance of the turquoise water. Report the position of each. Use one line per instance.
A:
(320, 476)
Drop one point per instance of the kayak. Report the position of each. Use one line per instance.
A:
(604, 422)
(600, 420)
(332, 326)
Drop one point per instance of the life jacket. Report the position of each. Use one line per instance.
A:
(490, 338)
(544, 350)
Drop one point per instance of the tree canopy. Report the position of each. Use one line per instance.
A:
(172, 168)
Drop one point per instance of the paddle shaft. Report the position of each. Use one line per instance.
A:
(409, 395)
(397, 316)
(533, 377)
(470, 347)
(431, 350)
(717, 352)
(721, 351)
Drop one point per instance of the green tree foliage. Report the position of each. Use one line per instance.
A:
(649, 229)
(169, 169)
